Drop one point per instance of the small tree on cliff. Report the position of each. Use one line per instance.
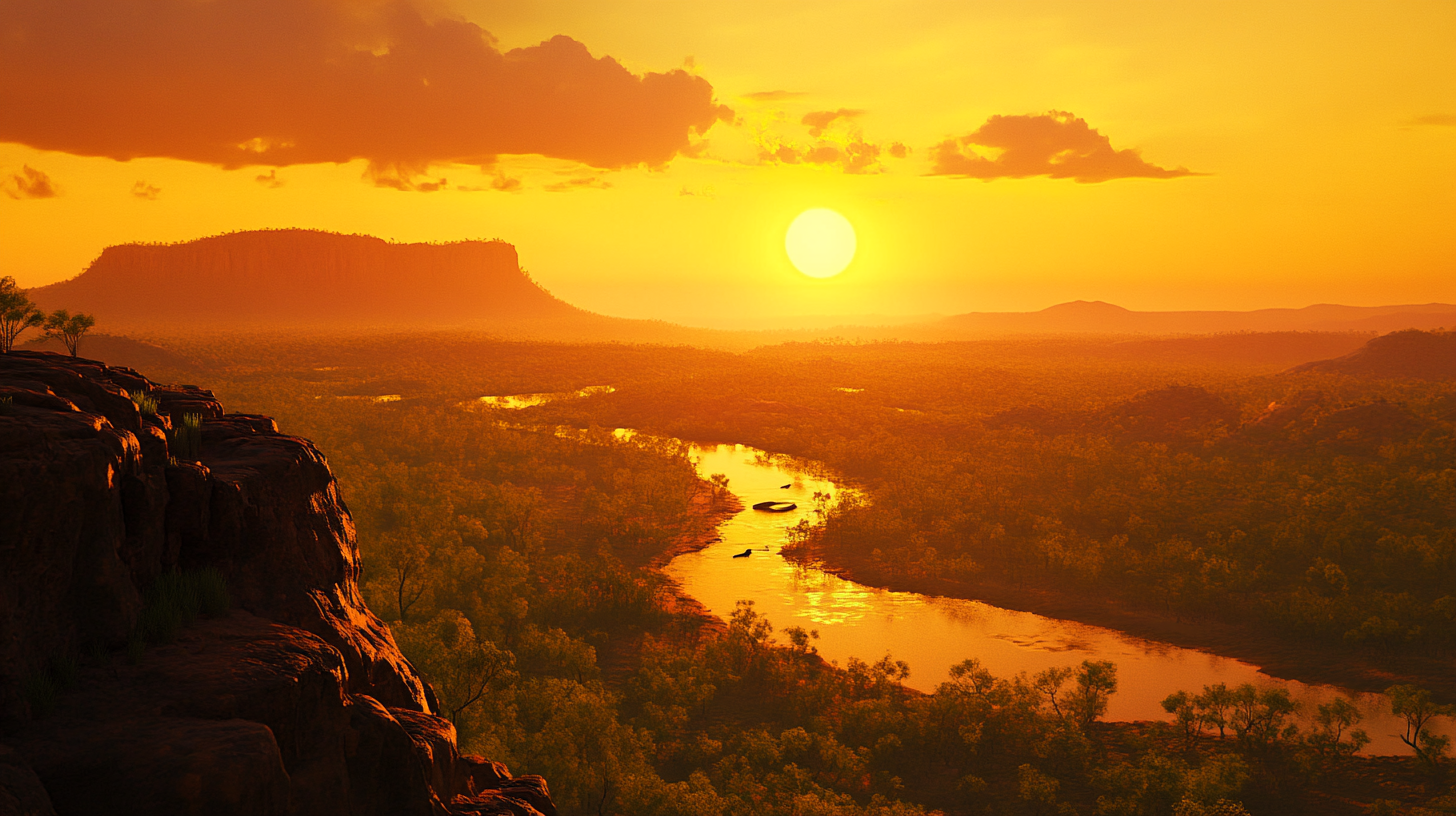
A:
(17, 313)
(69, 328)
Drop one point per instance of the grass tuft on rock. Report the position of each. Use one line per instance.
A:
(177, 599)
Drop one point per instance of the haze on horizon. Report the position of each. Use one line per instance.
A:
(646, 159)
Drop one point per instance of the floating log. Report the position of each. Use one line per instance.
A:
(775, 507)
(744, 554)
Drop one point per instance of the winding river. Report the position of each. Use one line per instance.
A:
(931, 633)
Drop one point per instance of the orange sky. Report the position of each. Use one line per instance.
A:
(991, 155)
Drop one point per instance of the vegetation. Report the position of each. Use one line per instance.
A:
(177, 599)
(146, 403)
(514, 552)
(69, 328)
(17, 313)
(185, 440)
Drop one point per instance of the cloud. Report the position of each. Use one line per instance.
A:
(406, 177)
(29, 183)
(1435, 120)
(773, 96)
(145, 191)
(587, 183)
(834, 142)
(818, 121)
(1055, 144)
(502, 183)
(270, 179)
(240, 83)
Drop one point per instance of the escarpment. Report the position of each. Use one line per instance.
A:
(293, 699)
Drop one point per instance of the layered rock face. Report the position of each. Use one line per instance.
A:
(297, 701)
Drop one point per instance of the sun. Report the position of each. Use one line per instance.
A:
(820, 242)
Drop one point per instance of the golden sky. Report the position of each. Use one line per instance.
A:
(646, 157)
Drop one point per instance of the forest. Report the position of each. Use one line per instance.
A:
(516, 556)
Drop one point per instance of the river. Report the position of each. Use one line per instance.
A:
(931, 633)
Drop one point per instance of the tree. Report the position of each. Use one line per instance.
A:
(1418, 709)
(17, 313)
(68, 327)
(1333, 736)
(460, 667)
(1096, 681)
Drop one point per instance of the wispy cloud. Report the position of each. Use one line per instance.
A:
(1434, 120)
(29, 183)
(145, 191)
(773, 96)
(270, 179)
(834, 140)
(819, 121)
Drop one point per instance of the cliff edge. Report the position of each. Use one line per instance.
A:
(291, 698)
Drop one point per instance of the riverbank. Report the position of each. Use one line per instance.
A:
(1276, 656)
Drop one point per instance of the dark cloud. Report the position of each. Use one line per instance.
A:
(270, 179)
(145, 191)
(1055, 144)
(29, 183)
(278, 82)
(819, 121)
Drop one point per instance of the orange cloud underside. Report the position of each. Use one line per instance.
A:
(281, 82)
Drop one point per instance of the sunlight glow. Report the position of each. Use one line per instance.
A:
(820, 243)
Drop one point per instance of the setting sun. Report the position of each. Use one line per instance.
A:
(820, 243)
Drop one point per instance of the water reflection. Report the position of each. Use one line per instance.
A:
(515, 402)
(933, 634)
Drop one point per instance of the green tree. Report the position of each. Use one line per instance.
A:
(17, 313)
(68, 327)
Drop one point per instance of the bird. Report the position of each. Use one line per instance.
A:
(744, 554)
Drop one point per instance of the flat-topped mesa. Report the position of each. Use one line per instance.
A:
(296, 701)
(305, 277)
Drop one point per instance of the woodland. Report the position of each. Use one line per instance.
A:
(516, 556)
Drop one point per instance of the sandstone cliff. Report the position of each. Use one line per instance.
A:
(304, 276)
(295, 700)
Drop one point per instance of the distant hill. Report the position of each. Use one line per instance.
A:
(1096, 317)
(116, 350)
(1404, 354)
(305, 276)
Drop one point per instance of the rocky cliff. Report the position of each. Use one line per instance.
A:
(291, 698)
(304, 276)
